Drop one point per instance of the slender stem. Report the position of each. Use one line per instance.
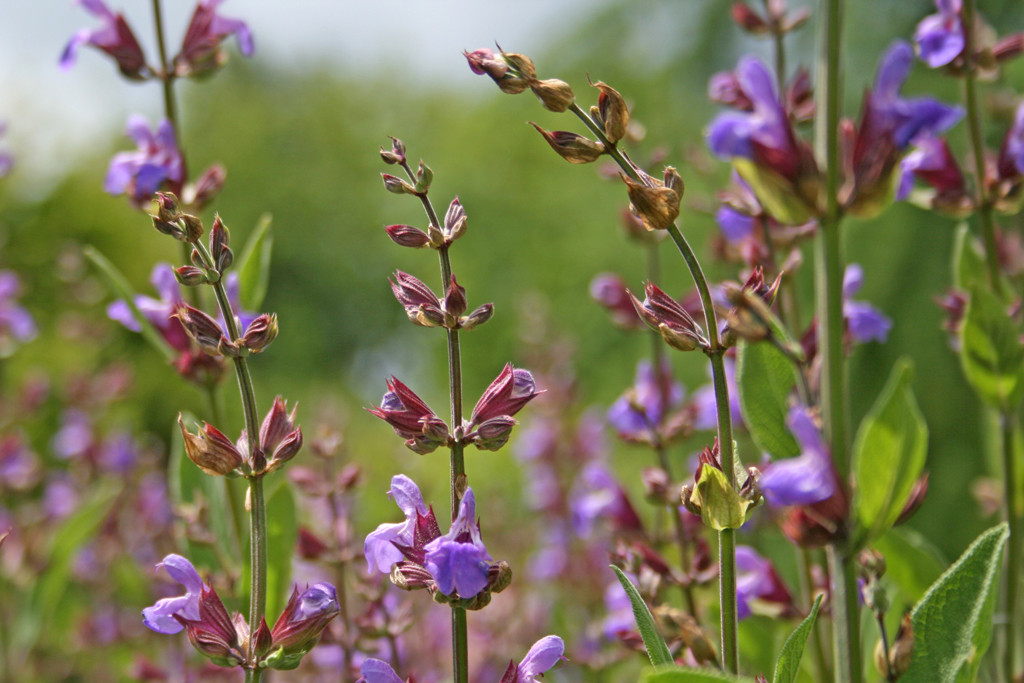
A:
(1012, 506)
(457, 465)
(983, 202)
(726, 538)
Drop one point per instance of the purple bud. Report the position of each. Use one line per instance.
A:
(506, 395)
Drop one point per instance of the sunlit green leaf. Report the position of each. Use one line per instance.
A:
(657, 650)
(788, 665)
(254, 265)
(888, 455)
(766, 378)
(282, 536)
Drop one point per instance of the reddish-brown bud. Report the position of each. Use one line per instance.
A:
(613, 110)
(210, 450)
(554, 94)
(260, 333)
(420, 303)
(656, 203)
(397, 185)
(454, 304)
(407, 236)
(206, 187)
(201, 327)
(190, 276)
(479, 316)
(572, 147)
(747, 19)
(396, 155)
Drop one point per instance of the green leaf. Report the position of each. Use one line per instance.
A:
(48, 591)
(720, 506)
(657, 650)
(788, 665)
(968, 261)
(282, 537)
(990, 351)
(888, 456)
(953, 622)
(119, 284)
(680, 675)
(766, 378)
(912, 563)
(254, 265)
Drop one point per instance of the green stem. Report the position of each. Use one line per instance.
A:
(1012, 508)
(726, 538)
(984, 204)
(829, 280)
(457, 465)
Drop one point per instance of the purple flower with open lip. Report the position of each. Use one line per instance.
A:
(940, 37)
(114, 37)
(543, 655)
(932, 162)
(864, 322)
(16, 324)
(886, 113)
(379, 547)
(807, 478)
(756, 580)
(141, 173)
(459, 561)
(640, 410)
(764, 126)
(161, 616)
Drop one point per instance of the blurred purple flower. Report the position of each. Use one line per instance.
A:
(765, 126)
(552, 558)
(75, 437)
(544, 654)
(886, 113)
(161, 616)
(1011, 156)
(377, 671)
(60, 497)
(114, 37)
(620, 610)
(705, 406)
(379, 547)
(756, 580)
(200, 50)
(735, 226)
(458, 561)
(864, 321)
(932, 162)
(154, 506)
(641, 409)
(141, 173)
(19, 466)
(805, 479)
(119, 453)
(16, 325)
(156, 311)
(940, 37)
(597, 495)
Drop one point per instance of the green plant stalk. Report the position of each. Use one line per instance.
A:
(726, 538)
(457, 464)
(828, 285)
(257, 503)
(984, 204)
(1012, 506)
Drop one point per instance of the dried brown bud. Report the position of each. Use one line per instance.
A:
(554, 94)
(656, 203)
(193, 227)
(572, 147)
(613, 110)
(210, 450)
(521, 63)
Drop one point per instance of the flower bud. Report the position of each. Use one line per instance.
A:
(206, 187)
(214, 634)
(499, 576)
(193, 227)
(396, 155)
(263, 640)
(902, 650)
(554, 94)
(421, 304)
(454, 304)
(454, 221)
(572, 147)
(424, 177)
(479, 316)
(407, 236)
(748, 20)
(521, 63)
(210, 450)
(190, 276)
(202, 328)
(166, 207)
(613, 111)
(397, 185)
(492, 434)
(665, 314)
(299, 627)
(260, 333)
(219, 241)
(657, 203)
(507, 394)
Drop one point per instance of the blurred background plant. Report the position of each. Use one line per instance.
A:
(87, 408)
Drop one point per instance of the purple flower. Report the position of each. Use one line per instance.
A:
(200, 51)
(544, 654)
(756, 580)
(940, 37)
(16, 325)
(764, 127)
(886, 113)
(161, 616)
(114, 37)
(735, 226)
(379, 547)
(458, 561)
(304, 618)
(411, 418)
(864, 321)
(377, 671)
(932, 162)
(157, 160)
(1011, 156)
(807, 478)
(19, 466)
(639, 411)
(597, 495)
(74, 438)
(60, 497)
(157, 311)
